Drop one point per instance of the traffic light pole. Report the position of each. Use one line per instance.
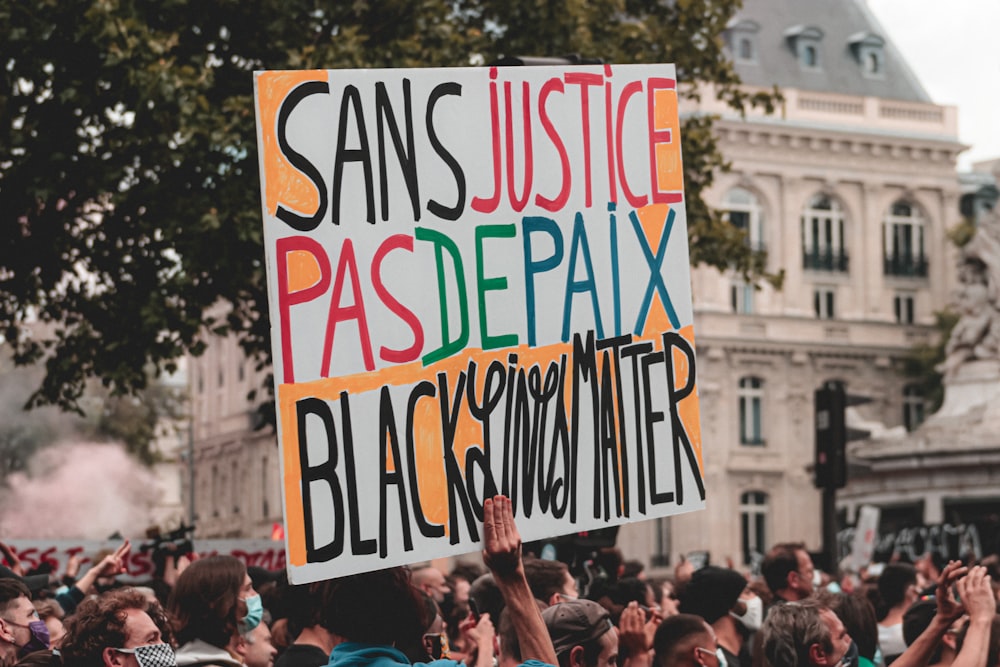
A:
(830, 527)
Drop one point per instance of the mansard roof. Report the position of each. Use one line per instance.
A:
(855, 54)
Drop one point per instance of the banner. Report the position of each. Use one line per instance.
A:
(478, 283)
(140, 563)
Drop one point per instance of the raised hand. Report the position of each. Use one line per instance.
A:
(501, 541)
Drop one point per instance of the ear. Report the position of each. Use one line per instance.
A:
(554, 599)
(240, 646)
(576, 656)
(5, 632)
(111, 657)
(817, 655)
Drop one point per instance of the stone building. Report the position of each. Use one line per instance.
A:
(850, 187)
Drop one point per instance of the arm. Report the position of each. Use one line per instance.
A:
(632, 637)
(502, 554)
(948, 609)
(15, 562)
(111, 565)
(977, 596)
(480, 636)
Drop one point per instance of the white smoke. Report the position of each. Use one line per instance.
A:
(78, 490)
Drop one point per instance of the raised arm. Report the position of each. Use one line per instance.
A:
(502, 554)
(948, 609)
(977, 596)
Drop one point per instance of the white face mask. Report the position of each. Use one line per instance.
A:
(753, 617)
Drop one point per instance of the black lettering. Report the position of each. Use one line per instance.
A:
(302, 223)
(406, 156)
(440, 210)
(351, 102)
(324, 472)
(633, 352)
(388, 437)
(453, 474)
(652, 417)
(427, 529)
(358, 546)
(584, 368)
(673, 340)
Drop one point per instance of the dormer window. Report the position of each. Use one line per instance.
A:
(741, 36)
(869, 51)
(805, 44)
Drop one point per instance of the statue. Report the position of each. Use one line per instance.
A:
(977, 333)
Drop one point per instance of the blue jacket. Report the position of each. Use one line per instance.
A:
(354, 654)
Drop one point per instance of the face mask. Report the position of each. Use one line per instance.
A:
(152, 655)
(721, 657)
(850, 658)
(255, 613)
(753, 617)
(39, 637)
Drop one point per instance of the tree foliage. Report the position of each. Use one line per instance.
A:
(128, 171)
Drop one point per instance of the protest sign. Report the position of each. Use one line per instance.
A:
(478, 283)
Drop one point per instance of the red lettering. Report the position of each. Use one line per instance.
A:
(628, 91)
(287, 299)
(403, 242)
(490, 205)
(516, 202)
(609, 137)
(355, 311)
(550, 86)
(585, 81)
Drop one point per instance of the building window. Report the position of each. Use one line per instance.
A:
(904, 241)
(823, 235)
(873, 63)
(824, 303)
(745, 52)
(753, 525)
(913, 407)
(903, 307)
(741, 297)
(810, 56)
(743, 211)
(751, 394)
(235, 490)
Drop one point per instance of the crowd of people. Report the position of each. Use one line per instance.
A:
(516, 610)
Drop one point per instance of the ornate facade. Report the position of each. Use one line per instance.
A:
(850, 187)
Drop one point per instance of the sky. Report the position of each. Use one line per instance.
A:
(954, 49)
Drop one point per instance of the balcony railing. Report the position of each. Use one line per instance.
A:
(825, 260)
(906, 265)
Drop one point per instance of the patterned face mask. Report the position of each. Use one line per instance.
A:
(152, 655)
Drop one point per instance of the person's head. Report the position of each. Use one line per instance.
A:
(801, 634)
(379, 607)
(211, 601)
(855, 611)
(114, 630)
(487, 595)
(712, 592)
(788, 571)
(685, 640)
(582, 634)
(258, 651)
(897, 585)
(52, 613)
(510, 645)
(550, 581)
(21, 630)
(431, 581)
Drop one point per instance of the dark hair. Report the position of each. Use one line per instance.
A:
(779, 562)
(487, 596)
(99, 623)
(302, 603)
(10, 590)
(591, 650)
(858, 616)
(545, 577)
(379, 607)
(669, 640)
(205, 601)
(895, 579)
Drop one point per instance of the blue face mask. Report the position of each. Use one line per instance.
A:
(255, 613)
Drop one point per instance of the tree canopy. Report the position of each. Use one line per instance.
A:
(129, 192)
